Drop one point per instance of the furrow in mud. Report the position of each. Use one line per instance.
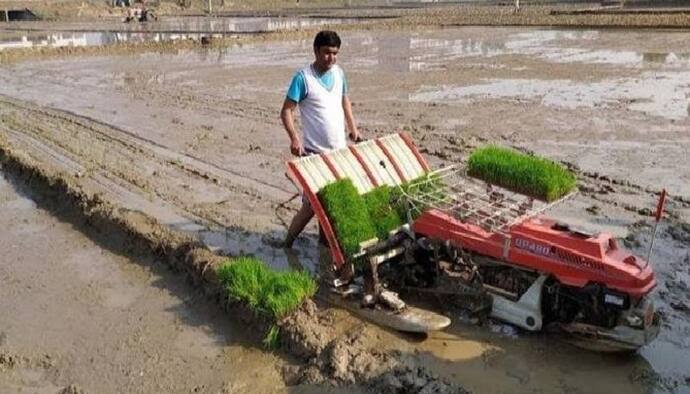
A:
(145, 169)
(108, 133)
(105, 185)
(197, 101)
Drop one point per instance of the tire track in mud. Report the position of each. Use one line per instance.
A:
(179, 97)
(199, 190)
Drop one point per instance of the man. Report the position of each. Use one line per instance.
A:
(320, 91)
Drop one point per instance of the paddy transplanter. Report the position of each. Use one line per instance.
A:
(487, 240)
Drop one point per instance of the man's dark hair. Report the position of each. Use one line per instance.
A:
(326, 38)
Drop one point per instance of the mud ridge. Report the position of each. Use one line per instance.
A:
(346, 359)
(11, 360)
(307, 334)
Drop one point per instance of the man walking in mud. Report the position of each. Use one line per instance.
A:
(320, 91)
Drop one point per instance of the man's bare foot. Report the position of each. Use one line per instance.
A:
(273, 241)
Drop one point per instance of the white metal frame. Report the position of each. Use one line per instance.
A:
(471, 200)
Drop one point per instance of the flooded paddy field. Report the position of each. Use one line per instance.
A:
(193, 138)
(78, 34)
(184, 24)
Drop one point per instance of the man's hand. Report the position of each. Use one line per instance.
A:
(350, 121)
(296, 147)
(355, 136)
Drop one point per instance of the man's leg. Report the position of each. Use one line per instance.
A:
(300, 220)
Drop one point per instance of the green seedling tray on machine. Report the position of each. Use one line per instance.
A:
(390, 160)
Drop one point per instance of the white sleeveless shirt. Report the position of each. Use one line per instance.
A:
(321, 112)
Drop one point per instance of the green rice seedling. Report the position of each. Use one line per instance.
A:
(272, 338)
(383, 214)
(273, 293)
(245, 278)
(348, 214)
(418, 195)
(534, 176)
(285, 291)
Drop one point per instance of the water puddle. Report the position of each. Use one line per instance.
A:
(422, 51)
(562, 46)
(529, 364)
(305, 255)
(166, 29)
(236, 25)
(662, 94)
(660, 87)
(57, 40)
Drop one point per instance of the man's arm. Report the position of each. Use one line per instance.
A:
(288, 118)
(353, 132)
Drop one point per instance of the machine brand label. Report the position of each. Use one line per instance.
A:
(558, 254)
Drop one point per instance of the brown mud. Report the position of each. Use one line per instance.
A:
(191, 141)
(136, 233)
(79, 317)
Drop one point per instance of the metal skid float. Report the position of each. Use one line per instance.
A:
(486, 246)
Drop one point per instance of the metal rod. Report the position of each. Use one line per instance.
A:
(657, 217)
(468, 199)
(651, 244)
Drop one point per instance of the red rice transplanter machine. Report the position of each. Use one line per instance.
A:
(490, 247)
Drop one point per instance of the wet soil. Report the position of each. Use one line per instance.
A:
(77, 313)
(193, 140)
(337, 361)
(185, 28)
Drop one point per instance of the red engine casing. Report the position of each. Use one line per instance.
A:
(539, 244)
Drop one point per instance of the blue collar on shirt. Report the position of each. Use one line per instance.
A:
(325, 79)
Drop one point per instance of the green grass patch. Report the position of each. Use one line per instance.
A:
(276, 294)
(534, 176)
(348, 214)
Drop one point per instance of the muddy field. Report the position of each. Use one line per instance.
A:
(192, 138)
(76, 314)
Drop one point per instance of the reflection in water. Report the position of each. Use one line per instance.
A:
(53, 40)
(576, 47)
(415, 51)
(666, 58)
(227, 25)
(394, 53)
(410, 52)
(654, 57)
(305, 256)
(434, 54)
(239, 25)
(90, 39)
(165, 30)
